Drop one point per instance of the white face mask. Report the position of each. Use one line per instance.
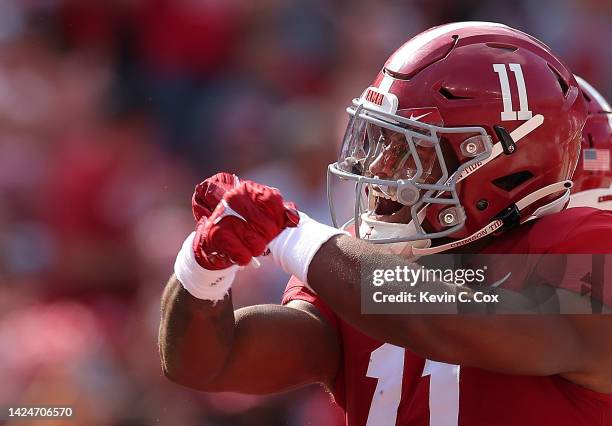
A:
(372, 229)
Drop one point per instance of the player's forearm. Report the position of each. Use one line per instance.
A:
(195, 336)
(344, 264)
(337, 272)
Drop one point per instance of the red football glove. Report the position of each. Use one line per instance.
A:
(237, 220)
(208, 193)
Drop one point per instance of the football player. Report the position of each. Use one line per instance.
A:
(593, 176)
(466, 141)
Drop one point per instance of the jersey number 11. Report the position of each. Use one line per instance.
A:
(387, 365)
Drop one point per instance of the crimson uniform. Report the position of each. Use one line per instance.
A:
(383, 385)
(468, 129)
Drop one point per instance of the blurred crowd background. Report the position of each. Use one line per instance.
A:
(111, 111)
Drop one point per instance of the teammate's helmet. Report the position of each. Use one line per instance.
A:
(467, 125)
(593, 175)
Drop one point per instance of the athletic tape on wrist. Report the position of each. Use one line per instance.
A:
(294, 248)
(198, 281)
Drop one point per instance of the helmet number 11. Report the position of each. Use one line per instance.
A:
(508, 113)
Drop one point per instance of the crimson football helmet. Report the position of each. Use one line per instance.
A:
(470, 128)
(593, 176)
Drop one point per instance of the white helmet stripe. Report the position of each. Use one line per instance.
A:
(517, 134)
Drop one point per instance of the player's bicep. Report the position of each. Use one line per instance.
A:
(278, 348)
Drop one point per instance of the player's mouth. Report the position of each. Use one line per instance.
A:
(388, 210)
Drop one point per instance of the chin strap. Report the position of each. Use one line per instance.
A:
(510, 217)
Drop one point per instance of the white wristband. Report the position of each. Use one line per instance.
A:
(294, 248)
(202, 283)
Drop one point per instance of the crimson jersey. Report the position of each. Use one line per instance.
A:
(384, 385)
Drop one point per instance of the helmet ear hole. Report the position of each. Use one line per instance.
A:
(482, 204)
(509, 182)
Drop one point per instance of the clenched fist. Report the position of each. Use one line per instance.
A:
(236, 220)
